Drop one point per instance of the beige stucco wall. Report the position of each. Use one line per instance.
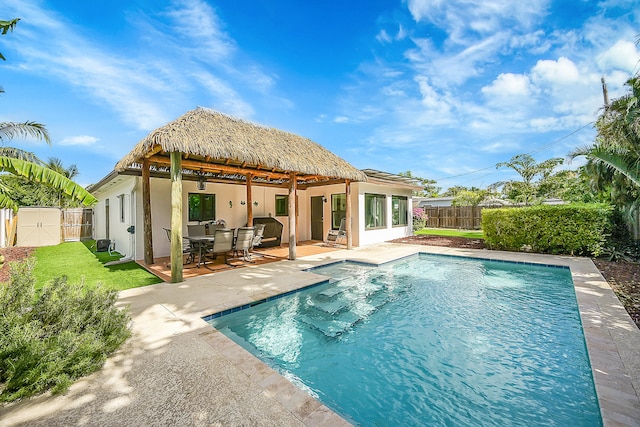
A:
(233, 213)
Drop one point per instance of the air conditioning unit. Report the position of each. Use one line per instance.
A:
(102, 245)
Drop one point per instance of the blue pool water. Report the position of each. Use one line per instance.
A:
(431, 340)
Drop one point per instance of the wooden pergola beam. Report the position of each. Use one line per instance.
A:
(176, 217)
(292, 215)
(249, 201)
(146, 213)
(203, 166)
(214, 167)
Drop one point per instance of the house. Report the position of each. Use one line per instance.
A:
(432, 202)
(207, 166)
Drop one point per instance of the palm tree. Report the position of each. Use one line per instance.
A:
(26, 165)
(613, 162)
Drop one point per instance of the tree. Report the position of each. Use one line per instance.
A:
(470, 197)
(17, 162)
(429, 189)
(528, 189)
(613, 162)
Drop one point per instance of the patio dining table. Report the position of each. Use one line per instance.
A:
(201, 242)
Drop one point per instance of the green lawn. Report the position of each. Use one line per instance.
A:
(77, 260)
(469, 234)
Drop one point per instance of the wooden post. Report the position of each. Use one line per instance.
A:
(292, 215)
(146, 219)
(176, 217)
(347, 228)
(249, 201)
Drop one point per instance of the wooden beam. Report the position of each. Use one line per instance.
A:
(249, 201)
(156, 149)
(214, 167)
(176, 217)
(292, 215)
(347, 190)
(147, 228)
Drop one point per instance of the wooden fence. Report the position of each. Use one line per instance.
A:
(77, 224)
(465, 217)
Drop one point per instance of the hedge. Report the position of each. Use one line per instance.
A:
(576, 229)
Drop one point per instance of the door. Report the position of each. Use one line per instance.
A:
(317, 226)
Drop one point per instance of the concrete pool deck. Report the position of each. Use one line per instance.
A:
(177, 370)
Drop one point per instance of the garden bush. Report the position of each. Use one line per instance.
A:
(50, 338)
(577, 229)
(419, 219)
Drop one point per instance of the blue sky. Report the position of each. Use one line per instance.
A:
(444, 88)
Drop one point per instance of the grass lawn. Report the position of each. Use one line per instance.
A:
(469, 234)
(77, 260)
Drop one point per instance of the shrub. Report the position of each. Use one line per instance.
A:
(577, 229)
(419, 219)
(50, 339)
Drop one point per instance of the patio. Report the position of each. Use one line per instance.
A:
(162, 266)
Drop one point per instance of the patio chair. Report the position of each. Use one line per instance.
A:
(187, 247)
(244, 242)
(211, 229)
(196, 230)
(222, 243)
(335, 235)
(258, 235)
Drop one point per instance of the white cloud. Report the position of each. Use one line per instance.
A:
(383, 36)
(623, 55)
(82, 140)
(136, 82)
(457, 17)
(454, 67)
(198, 23)
(508, 86)
(562, 71)
(225, 96)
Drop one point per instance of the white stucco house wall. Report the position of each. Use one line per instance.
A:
(381, 209)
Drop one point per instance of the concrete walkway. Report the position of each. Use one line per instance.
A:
(177, 370)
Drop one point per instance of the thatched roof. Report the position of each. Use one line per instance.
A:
(213, 142)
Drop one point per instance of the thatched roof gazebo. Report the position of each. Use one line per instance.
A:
(207, 145)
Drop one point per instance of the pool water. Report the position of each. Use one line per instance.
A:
(431, 340)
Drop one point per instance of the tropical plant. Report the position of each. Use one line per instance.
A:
(52, 337)
(532, 174)
(470, 197)
(429, 189)
(26, 165)
(420, 218)
(613, 162)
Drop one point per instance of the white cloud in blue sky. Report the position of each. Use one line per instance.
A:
(437, 87)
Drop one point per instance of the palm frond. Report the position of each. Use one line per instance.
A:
(16, 153)
(6, 202)
(48, 177)
(10, 130)
(7, 26)
(618, 163)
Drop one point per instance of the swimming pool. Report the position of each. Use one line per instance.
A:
(431, 340)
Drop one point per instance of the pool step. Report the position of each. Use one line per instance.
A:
(346, 308)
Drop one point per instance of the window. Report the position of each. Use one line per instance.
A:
(338, 209)
(202, 207)
(282, 205)
(374, 210)
(399, 210)
(121, 203)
